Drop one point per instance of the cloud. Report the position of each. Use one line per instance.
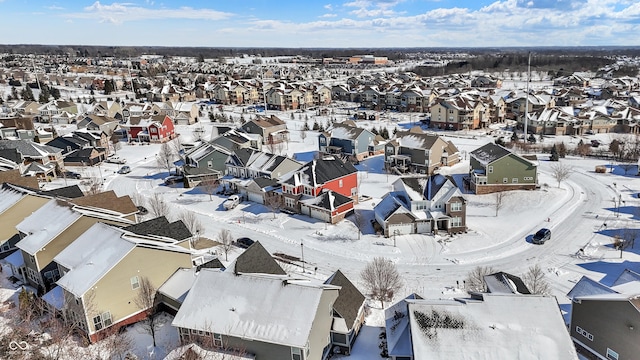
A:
(118, 13)
(53, 7)
(328, 15)
(329, 7)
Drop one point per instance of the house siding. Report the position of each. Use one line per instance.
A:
(611, 328)
(319, 337)
(18, 212)
(113, 292)
(348, 182)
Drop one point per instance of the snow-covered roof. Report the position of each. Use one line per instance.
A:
(44, 225)
(267, 308)
(15, 259)
(8, 198)
(498, 327)
(87, 262)
(55, 298)
(178, 285)
(588, 287)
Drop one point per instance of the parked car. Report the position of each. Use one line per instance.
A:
(116, 160)
(124, 170)
(71, 175)
(541, 236)
(231, 202)
(595, 143)
(244, 242)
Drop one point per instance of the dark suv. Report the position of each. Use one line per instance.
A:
(244, 242)
(541, 236)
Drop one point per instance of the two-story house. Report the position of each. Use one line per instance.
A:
(348, 140)
(494, 168)
(324, 188)
(39, 160)
(101, 274)
(421, 205)
(419, 152)
(158, 128)
(256, 314)
(605, 319)
(271, 129)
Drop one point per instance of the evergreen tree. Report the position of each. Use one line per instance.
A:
(384, 133)
(554, 153)
(55, 92)
(108, 87)
(316, 127)
(395, 131)
(562, 150)
(375, 131)
(514, 137)
(27, 94)
(14, 93)
(305, 127)
(43, 98)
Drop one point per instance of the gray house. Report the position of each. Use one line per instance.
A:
(419, 152)
(348, 314)
(271, 129)
(272, 317)
(347, 139)
(605, 319)
(203, 162)
(422, 205)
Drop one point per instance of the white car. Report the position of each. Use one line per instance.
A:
(116, 160)
(231, 202)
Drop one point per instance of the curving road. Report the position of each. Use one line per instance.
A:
(574, 224)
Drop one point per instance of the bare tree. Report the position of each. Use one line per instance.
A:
(536, 282)
(157, 206)
(561, 172)
(191, 221)
(117, 344)
(116, 145)
(225, 238)
(382, 279)
(360, 221)
(500, 195)
(94, 186)
(274, 202)
(165, 156)
(146, 301)
(475, 279)
(210, 186)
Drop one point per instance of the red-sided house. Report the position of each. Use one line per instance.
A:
(326, 186)
(158, 128)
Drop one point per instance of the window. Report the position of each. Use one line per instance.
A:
(339, 338)
(217, 340)
(514, 180)
(528, 178)
(505, 180)
(102, 321)
(97, 322)
(296, 354)
(456, 221)
(135, 283)
(106, 319)
(612, 354)
(354, 191)
(290, 202)
(210, 164)
(6, 246)
(308, 190)
(490, 169)
(584, 333)
(340, 183)
(456, 206)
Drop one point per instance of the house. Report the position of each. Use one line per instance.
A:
(348, 313)
(421, 205)
(604, 319)
(494, 168)
(39, 160)
(203, 162)
(484, 326)
(100, 284)
(86, 156)
(272, 129)
(324, 188)
(185, 113)
(347, 139)
(15, 206)
(416, 151)
(158, 128)
(99, 123)
(268, 316)
(49, 230)
(173, 232)
(251, 163)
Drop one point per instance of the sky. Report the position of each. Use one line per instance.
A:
(322, 23)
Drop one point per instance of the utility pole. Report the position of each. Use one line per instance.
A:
(302, 251)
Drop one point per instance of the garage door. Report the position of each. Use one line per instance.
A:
(423, 227)
(400, 229)
(321, 215)
(255, 197)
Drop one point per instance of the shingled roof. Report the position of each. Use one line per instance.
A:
(349, 300)
(160, 226)
(108, 200)
(256, 260)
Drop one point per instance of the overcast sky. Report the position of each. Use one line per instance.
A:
(312, 23)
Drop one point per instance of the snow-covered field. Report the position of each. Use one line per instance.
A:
(580, 212)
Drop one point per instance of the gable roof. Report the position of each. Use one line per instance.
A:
(267, 308)
(320, 171)
(160, 226)
(489, 153)
(504, 283)
(257, 260)
(107, 200)
(350, 299)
